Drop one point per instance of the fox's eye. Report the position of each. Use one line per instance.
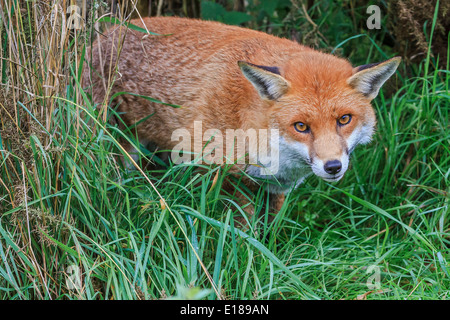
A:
(345, 119)
(301, 127)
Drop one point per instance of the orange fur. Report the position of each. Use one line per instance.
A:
(194, 64)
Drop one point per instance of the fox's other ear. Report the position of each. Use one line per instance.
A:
(267, 80)
(369, 78)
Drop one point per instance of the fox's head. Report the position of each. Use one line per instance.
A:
(321, 106)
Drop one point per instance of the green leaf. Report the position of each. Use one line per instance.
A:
(211, 10)
(269, 6)
(216, 12)
(235, 17)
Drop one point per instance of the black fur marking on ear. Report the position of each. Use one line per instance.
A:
(376, 79)
(275, 70)
(367, 66)
(261, 84)
(267, 80)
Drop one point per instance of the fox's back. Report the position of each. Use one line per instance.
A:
(193, 43)
(188, 56)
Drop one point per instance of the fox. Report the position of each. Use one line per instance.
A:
(231, 77)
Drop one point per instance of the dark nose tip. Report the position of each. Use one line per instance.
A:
(333, 166)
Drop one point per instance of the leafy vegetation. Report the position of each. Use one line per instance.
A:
(76, 224)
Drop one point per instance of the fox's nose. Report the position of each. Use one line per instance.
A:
(333, 166)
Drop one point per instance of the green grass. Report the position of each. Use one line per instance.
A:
(66, 200)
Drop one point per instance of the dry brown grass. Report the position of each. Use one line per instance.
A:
(407, 18)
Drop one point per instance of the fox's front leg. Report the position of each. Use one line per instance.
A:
(248, 208)
(276, 201)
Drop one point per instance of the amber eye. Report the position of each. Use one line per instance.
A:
(301, 127)
(345, 119)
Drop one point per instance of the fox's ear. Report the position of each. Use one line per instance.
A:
(369, 78)
(267, 80)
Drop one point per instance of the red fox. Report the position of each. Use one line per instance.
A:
(227, 77)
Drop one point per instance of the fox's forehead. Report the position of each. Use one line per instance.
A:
(317, 71)
(328, 102)
(318, 86)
